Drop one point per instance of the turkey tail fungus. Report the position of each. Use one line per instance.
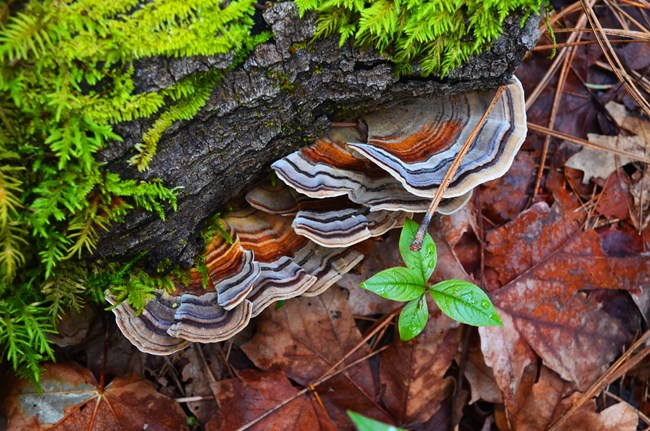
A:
(299, 240)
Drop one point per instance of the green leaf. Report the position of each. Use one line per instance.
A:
(465, 302)
(413, 319)
(422, 262)
(398, 284)
(364, 423)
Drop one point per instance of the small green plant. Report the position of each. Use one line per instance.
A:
(458, 299)
(364, 423)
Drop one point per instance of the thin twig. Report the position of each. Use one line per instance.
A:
(643, 417)
(616, 8)
(532, 97)
(632, 34)
(541, 129)
(559, 90)
(556, 16)
(308, 389)
(331, 372)
(583, 43)
(416, 245)
(193, 399)
(198, 350)
(626, 362)
(640, 79)
(613, 59)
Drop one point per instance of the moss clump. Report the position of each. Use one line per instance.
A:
(438, 34)
(66, 78)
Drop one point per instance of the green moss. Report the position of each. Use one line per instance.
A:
(281, 80)
(438, 34)
(66, 79)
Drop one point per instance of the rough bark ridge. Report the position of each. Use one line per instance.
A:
(281, 98)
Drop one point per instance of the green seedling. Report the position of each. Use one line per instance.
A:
(364, 423)
(458, 299)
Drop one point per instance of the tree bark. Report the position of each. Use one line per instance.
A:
(282, 97)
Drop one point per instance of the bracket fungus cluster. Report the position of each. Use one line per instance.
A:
(343, 190)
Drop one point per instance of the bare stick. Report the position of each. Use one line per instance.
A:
(532, 97)
(416, 245)
(626, 362)
(559, 91)
(332, 371)
(541, 129)
(613, 59)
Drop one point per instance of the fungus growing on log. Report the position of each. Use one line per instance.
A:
(409, 149)
(262, 261)
(416, 143)
(288, 242)
(170, 321)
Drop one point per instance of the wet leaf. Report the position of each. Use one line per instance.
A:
(465, 302)
(71, 400)
(254, 393)
(422, 262)
(413, 318)
(397, 284)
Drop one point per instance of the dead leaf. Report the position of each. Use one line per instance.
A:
(452, 227)
(195, 379)
(481, 379)
(628, 121)
(547, 269)
(385, 254)
(72, 400)
(576, 113)
(412, 373)
(508, 354)
(614, 199)
(254, 393)
(541, 401)
(600, 164)
(305, 338)
(640, 192)
(502, 199)
(73, 327)
(619, 417)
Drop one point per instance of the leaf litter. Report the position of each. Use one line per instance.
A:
(567, 266)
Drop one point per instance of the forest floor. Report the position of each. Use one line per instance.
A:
(561, 244)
